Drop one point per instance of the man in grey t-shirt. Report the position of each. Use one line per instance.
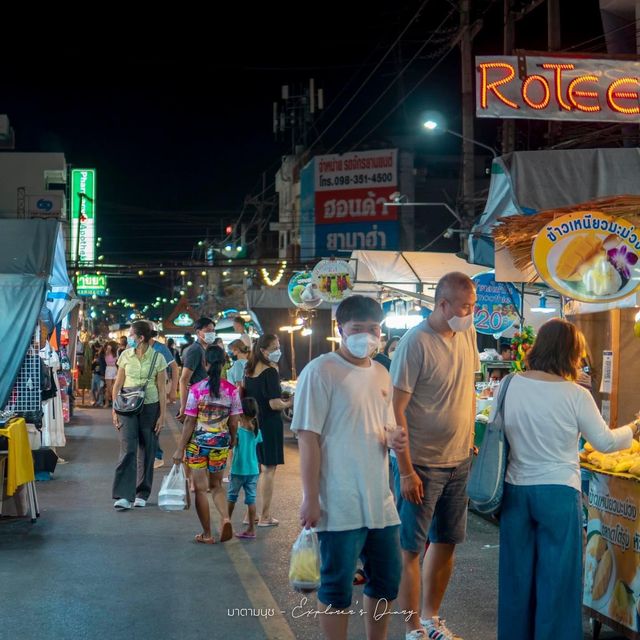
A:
(434, 401)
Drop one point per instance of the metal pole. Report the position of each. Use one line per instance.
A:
(468, 161)
(294, 374)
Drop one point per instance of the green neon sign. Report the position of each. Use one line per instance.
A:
(83, 215)
(89, 284)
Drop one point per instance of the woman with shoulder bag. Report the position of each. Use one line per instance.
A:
(545, 412)
(141, 375)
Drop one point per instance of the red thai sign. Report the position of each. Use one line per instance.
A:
(355, 205)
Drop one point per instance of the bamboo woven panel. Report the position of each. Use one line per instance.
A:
(517, 233)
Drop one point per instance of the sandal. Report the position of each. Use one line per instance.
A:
(226, 533)
(246, 535)
(202, 540)
(271, 522)
(359, 578)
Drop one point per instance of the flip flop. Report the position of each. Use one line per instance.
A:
(255, 521)
(359, 578)
(271, 522)
(226, 533)
(245, 535)
(202, 540)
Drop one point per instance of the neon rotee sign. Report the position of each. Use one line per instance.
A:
(558, 88)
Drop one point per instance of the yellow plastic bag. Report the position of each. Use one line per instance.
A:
(304, 569)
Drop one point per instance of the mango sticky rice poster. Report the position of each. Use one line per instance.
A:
(612, 559)
(589, 256)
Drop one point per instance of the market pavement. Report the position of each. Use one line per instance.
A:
(86, 571)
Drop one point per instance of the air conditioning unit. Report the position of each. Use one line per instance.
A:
(55, 179)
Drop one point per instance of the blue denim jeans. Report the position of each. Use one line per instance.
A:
(540, 576)
(379, 551)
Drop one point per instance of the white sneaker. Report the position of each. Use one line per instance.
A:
(140, 502)
(437, 630)
(122, 504)
(416, 634)
(158, 463)
(225, 480)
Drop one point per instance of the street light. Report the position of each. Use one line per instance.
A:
(396, 201)
(291, 329)
(433, 125)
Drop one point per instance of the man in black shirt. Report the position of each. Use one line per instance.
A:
(193, 368)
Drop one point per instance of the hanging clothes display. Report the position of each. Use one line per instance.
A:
(53, 415)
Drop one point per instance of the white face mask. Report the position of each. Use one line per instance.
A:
(460, 324)
(360, 345)
(275, 356)
(209, 337)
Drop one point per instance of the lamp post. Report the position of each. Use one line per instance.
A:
(291, 329)
(432, 125)
(468, 169)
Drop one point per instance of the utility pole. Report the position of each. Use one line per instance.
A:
(509, 37)
(468, 114)
(553, 44)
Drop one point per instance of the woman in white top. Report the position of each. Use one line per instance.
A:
(540, 577)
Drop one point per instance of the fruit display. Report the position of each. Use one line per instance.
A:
(625, 461)
(521, 342)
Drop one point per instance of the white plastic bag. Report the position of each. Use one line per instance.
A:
(304, 569)
(173, 492)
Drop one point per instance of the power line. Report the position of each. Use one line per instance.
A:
(418, 52)
(399, 104)
(371, 74)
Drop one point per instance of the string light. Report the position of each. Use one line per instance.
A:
(267, 278)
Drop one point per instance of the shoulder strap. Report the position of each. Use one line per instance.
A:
(151, 368)
(503, 393)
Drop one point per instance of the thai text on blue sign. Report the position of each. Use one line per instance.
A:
(497, 305)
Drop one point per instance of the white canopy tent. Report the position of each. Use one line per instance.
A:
(405, 272)
(415, 274)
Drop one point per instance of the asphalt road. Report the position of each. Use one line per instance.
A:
(86, 571)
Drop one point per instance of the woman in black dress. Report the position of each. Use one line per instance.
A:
(262, 382)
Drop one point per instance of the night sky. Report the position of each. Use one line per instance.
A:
(173, 107)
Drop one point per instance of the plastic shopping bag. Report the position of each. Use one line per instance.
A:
(304, 569)
(173, 492)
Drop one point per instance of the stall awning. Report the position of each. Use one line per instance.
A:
(527, 182)
(405, 271)
(61, 298)
(27, 249)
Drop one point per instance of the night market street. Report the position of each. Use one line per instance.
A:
(86, 571)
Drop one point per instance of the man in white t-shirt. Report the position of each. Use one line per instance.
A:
(433, 372)
(343, 403)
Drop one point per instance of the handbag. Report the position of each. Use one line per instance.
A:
(130, 400)
(486, 480)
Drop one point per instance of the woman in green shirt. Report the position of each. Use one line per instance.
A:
(134, 368)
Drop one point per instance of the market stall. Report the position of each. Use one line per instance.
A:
(589, 254)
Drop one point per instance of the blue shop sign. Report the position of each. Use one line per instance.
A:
(497, 306)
